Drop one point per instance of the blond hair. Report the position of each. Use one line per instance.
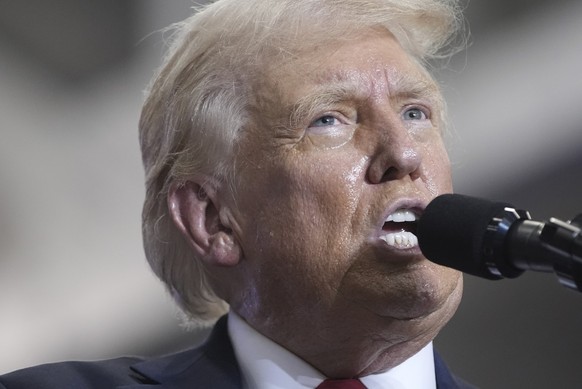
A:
(198, 103)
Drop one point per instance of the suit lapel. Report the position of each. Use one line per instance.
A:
(445, 379)
(213, 365)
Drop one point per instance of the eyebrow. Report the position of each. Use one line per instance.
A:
(339, 87)
(410, 86)
(323, 96)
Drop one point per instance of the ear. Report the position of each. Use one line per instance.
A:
(197, 212)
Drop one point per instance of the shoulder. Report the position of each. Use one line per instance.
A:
(212, 365)
(79, 375)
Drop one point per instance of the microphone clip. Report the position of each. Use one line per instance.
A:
(564, 240)
(494, 244)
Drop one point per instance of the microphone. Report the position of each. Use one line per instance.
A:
(494, 240)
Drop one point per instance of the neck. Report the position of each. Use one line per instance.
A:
(372, 354)
(340, 351)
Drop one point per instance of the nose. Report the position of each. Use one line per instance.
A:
(397, 155)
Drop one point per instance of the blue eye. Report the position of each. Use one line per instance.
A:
(323, 121)
(414, 114)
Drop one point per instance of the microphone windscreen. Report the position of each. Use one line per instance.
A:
(452, 229)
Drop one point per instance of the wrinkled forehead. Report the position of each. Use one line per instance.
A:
(375, 75)
(372, 62)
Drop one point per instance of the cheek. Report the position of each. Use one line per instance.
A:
(436, 174)
(322, 188)
(307, 209)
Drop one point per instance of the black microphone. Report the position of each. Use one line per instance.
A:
(494, 240)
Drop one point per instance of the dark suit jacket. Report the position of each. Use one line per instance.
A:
(211, 366)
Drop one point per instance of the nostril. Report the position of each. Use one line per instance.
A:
(390, 174)
(394, 164)
(415, 175)
(393, 173)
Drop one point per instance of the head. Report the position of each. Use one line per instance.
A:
(277, 139)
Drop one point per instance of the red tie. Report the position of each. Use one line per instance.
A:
(341, 384)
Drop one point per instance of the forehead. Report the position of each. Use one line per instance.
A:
(373, 63)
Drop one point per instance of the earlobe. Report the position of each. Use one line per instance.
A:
(196, 211)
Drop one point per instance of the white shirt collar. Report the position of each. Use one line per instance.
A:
(266, 365)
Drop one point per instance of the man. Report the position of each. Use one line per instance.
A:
(289, 148)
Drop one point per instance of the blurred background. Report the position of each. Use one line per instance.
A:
(73, 279)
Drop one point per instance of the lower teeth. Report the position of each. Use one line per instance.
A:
(402, 239)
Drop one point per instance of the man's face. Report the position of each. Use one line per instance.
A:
(346, 137)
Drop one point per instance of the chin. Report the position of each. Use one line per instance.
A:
(429, 289)
(412, 292)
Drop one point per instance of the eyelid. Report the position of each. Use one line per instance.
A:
(424, 108)
(343, 119)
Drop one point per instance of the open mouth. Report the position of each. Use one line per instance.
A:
(399, 229)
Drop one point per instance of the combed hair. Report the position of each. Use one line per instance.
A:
(198, 104)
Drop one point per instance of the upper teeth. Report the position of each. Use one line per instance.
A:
(401, 215)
